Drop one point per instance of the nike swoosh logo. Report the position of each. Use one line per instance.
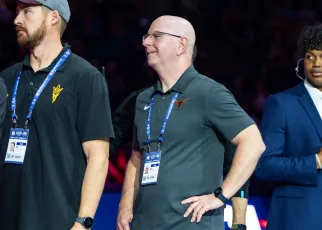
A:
(146, 107)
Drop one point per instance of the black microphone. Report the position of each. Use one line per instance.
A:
(297, 69)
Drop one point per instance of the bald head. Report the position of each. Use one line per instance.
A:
(175, 25)
(178, 26)
(170, 42)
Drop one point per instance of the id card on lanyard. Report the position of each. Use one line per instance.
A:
(152, 160)
(18, 140)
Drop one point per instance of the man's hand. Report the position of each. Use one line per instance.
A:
(124, 219)
(77, 226)
(200, 205)
(320, 157)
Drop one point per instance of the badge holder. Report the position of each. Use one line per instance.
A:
(17, 144)
(151, 166)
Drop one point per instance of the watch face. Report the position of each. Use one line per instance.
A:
(88, 222)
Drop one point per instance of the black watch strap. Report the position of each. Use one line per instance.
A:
(86, 222)
(239, 227)
(220, 196)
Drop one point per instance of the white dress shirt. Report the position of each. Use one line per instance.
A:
(316, 96)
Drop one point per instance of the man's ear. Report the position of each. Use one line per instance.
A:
(54, 17)
(183, 45)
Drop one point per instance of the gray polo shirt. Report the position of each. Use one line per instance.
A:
(204, 116)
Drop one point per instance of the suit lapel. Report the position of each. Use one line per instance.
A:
(307, 102)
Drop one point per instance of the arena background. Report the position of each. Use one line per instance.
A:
(248, 45)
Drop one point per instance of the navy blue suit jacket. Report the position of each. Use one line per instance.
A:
(291, 128)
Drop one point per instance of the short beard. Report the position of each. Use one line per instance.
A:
(32, 41)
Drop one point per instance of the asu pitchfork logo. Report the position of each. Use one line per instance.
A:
(56, 92)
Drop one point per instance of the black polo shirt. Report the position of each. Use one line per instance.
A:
(204, 117)
(44, 192)
(3, 102)
(123, 122)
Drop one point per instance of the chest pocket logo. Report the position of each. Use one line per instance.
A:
(56, 92)
(180, 102)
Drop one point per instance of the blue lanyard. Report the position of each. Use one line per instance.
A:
(165, 121)
(38, 93)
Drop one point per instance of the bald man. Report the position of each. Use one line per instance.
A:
(180, 127)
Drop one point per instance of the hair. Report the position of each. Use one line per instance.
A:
(13, 143)
(63, 26)
(194, 53)
(63, 23)
(310, 38)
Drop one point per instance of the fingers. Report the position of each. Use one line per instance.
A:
(123, 225)
(198, 207)
(190, 200)
(190, 209)
(126, 226)
(119, 226)
(195, 212)
(200, 213)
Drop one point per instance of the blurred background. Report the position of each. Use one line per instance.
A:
(248, 45)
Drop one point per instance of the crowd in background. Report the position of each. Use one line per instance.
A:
(249, 46)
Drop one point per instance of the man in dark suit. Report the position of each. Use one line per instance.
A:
(3, 100)
(292, 131)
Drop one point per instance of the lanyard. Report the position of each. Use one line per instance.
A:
(165, 122)
(38, 93)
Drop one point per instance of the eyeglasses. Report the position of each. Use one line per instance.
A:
(157, 35)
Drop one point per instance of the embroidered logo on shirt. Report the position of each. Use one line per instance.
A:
(146, 107)
(56, 92)
(180, 102)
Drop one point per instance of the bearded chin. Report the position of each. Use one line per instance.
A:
(33, 40)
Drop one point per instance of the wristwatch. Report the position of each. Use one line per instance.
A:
(86, 222)
(220, 196)
(239, 227)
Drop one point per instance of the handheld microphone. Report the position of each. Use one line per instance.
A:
(297, 69)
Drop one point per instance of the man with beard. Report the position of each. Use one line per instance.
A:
(3, 101)
(59, 117)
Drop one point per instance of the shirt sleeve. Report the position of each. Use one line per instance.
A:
(93, 108)
(3, 102)
(135, 143)
(123, 123)
(224, 113)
